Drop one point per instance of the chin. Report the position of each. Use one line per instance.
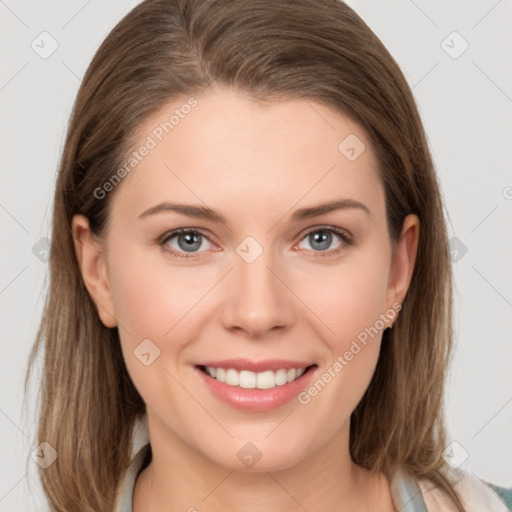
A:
(254, 457)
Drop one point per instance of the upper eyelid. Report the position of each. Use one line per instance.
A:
(334, 229)
(175, 232)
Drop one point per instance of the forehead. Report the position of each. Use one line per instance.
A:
(225, 149)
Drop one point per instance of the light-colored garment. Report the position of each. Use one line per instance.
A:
(408, 494)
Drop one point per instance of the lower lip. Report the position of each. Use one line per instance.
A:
(257, 399)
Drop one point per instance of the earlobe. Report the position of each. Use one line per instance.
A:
(404, 259)
(91, 262)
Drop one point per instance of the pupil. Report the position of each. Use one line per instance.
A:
(190, 239)
(323, 238)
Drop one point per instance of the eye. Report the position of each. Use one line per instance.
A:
(182, 241)
(320, 240)
(185, 242)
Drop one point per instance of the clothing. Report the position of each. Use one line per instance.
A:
(408, 494)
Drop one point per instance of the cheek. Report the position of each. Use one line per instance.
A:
(156, 301)
(346, 298)
(152, 296)
(350, 301)
(151, 302)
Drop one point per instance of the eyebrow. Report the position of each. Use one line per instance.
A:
(203, 212)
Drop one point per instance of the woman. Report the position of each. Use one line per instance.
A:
(250, 299)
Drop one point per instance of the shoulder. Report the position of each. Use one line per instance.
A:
(475, 494)
(503, 492)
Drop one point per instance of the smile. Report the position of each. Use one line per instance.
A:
(259, 389)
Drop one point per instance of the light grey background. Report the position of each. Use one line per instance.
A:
(466, 104)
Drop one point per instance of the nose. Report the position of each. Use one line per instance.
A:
(258, 298)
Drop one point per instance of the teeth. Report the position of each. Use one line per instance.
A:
(251, 380)
(247, 379)
(231, 377)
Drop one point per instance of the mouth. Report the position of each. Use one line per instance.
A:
(247, 379)
(255, 391)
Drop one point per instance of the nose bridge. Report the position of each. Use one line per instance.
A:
(257, 301)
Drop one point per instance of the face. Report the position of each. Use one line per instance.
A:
(217, 250)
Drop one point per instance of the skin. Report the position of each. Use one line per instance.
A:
(255, 164)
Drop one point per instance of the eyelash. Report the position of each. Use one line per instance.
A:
(345, 237)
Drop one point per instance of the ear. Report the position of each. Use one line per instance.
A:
(92, 264)
(404, 258)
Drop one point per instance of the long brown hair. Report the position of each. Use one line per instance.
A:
(271, 50)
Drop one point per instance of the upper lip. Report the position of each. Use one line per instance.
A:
(256, 366)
